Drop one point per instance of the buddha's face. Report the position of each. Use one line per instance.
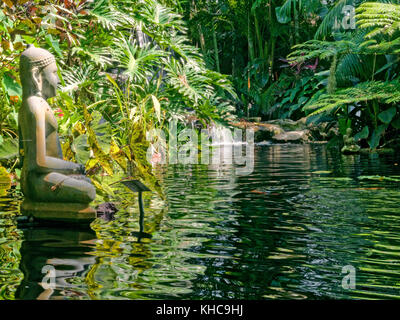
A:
(50, 80)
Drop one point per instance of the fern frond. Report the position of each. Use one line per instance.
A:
(386, 92)
(383, 18)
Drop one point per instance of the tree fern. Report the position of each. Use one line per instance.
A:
(386, 92)
(382, 18)
(328, 22)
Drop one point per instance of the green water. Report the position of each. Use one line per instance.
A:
(283, 232)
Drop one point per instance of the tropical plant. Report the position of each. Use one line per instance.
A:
(362, 84)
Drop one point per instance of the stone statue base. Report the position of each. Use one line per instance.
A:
(59, 212)
(351, 149)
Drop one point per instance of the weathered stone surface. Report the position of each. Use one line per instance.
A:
(289, 131)
(50, 211)
(350, 149)
(292, 136)
(290, 125)
(286, 130)
(262, 131)
(350, 145)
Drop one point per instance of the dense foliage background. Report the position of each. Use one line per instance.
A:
(131, 66)
(328, 60)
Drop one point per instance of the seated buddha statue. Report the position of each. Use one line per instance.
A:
(350, 146)
(46, 177)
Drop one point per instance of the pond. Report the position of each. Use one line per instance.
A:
(287, 231)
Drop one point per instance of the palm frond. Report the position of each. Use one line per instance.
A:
(106, 15)
(100, 56)
(187, 81)
(80, 77)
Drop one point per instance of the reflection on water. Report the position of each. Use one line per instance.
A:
(62, 250)
(285, 231)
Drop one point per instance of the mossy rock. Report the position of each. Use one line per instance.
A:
(353, 149)
(289, 125)
(300, 136)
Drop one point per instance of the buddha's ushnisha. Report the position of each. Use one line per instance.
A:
(46, 177)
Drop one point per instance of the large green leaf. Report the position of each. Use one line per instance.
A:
(103, 134)
(396, 123)
(363, 134)
(12, 87)
(376, 136)
(54, 44)
(387, 115)
(281, 16)
(103, 131)
(81, 148)
(9, 148)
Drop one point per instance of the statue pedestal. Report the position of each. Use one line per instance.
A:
(59, 212)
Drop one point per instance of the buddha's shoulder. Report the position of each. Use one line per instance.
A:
(35, 104)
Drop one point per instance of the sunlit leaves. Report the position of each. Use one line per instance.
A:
(157, 107)
(106, 15)
(102, 157)
(8, 148)
(138, 63)
(187, 81)
(84, 76)
(148, 81)
(380, 18)
(12, 87)
(5, 181)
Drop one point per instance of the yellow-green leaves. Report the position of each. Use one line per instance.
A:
(12, 87)
(8, 148)
(102, 157)
(5, 181)
(157, 107)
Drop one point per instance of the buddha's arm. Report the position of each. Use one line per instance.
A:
(44, 163)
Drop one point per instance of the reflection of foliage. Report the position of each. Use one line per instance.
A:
(5, 181)
(10, 257)
(146, 269)
(10, 276)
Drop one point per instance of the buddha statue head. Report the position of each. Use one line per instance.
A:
(38, 73)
